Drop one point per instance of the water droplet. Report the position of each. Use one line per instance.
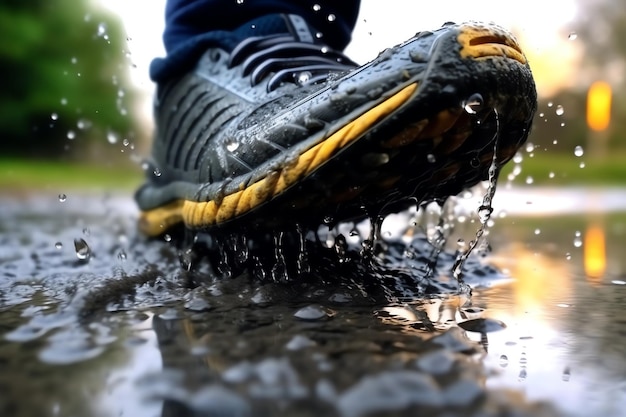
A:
(578, 242)
(54, 116)
(559, 110)
(530, 147)
(551, 175)
(122, 255)
(62, 198)
(112, 138)
(431, 158)
(572, 36)
(504, 361)
(522, 375)
(484, 212)
(311, 312)
(156, 172)
(317, 7)
(567, 374)
(581, 165)
(58, 245)
(550, 104)
(167, 237)
(102, 29)
(331, 17)
(303, 77)
(125, 142)
(74, 60)
(537, 231)
(63, 101)
(232, 145)
(83, 124)
(319, 35)
(83, 252)
(568, 256)
(71, 134)
(518, 158)
(529, 180)
(579, 151)
(473, 104)
(374, 159)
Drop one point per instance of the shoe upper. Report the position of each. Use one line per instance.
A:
(257, 110)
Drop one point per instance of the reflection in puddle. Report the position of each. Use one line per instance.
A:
(565, 339)
(130, 335)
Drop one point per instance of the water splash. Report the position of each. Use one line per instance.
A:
(485, 210)
(82, 249)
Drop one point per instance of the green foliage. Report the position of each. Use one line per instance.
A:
(60, 63)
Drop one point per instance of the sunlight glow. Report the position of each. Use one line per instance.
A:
(599, 106)
(595, 252)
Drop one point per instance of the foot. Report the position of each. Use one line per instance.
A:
(284, 130)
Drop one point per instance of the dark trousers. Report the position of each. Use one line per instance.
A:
(192, 26)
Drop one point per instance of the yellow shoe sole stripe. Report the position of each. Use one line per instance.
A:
(200, 214)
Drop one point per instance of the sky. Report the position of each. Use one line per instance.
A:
(544, 28)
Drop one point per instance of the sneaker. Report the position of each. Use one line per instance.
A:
(285, 130)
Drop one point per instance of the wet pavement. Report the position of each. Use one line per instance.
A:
(96, 321)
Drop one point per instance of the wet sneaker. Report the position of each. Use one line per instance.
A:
(284, 130)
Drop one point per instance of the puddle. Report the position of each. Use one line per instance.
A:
(95, 321)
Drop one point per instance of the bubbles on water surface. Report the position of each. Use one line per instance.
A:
(559, 110)
(62, 198)
(312, 313)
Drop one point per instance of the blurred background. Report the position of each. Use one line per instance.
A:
(75, 96)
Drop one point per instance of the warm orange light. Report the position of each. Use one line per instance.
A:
(599, 106)
(595, 252)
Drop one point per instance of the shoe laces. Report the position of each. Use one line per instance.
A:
(287, 60)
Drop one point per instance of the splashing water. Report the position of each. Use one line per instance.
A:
(485, 210)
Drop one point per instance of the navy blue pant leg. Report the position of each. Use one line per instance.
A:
(192, 26)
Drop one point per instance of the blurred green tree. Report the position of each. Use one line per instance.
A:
(63, 76)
